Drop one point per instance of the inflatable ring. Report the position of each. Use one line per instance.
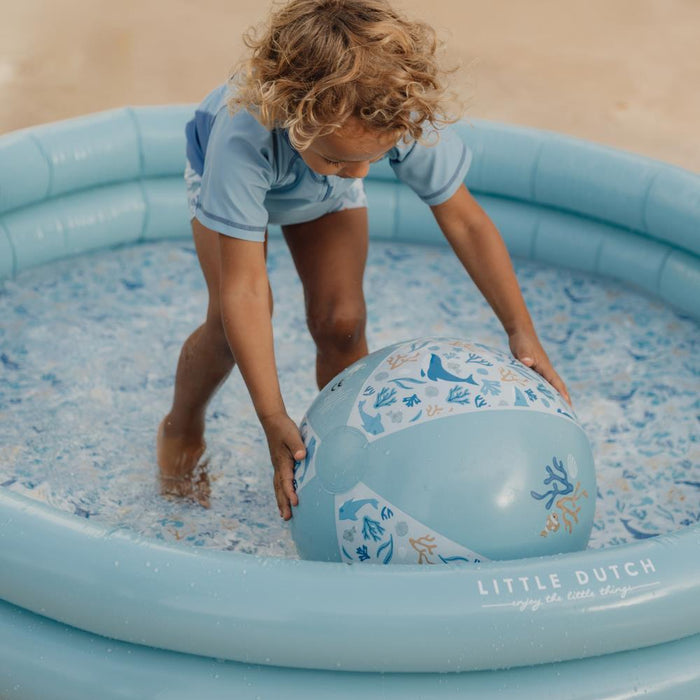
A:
(138, 618)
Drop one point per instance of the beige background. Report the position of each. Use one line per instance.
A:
(621, 72)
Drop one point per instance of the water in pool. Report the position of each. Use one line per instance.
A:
(89, 348)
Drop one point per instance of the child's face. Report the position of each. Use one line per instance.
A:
(348, 151)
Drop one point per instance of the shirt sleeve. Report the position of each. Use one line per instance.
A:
(237, 176)
(434, 172)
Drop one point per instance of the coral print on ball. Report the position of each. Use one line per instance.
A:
(437, 450)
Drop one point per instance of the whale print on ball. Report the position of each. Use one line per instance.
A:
(436, 451)
(422, 381)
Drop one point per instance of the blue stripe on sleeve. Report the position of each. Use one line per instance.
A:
(450, 183)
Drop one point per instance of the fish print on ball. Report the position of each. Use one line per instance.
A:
(372, 530)
(411, 386)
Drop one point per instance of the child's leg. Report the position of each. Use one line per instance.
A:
(205, 362)
(330, 255)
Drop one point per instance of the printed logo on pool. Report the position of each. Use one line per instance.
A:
(621, 580)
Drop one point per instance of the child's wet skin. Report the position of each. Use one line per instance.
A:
(183, 471)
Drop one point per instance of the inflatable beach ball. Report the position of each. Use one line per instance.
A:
(436, 451)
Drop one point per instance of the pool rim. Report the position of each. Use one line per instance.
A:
(636, 220)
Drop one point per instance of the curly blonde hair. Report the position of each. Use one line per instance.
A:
(319, 62)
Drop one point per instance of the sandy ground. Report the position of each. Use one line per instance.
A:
(622, 72)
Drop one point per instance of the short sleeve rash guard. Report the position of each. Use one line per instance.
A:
(433, 172)
(252, 176)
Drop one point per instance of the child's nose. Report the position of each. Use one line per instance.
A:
(359, 169)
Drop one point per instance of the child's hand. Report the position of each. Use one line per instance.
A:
(526, 347)
(286, 447)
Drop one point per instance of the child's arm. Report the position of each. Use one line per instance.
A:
(245, 314)
(481, 250)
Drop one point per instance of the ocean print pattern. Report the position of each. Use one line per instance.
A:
(371, 530)
(428, 379)
(561, 495)
(89, 346)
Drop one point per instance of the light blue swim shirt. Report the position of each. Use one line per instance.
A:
(252, 176)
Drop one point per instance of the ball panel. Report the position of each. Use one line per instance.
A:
(371, 530)
(312, 524)
(305, 470)
(341, 459)
(472, 478)
(333, 404)
(428, 378)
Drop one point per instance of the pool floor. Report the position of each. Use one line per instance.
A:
(88, 349)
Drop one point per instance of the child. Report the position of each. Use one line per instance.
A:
(331, 87)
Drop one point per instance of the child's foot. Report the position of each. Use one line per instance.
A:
(183, 473)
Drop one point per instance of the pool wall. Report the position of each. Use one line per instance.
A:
(88, 610)
(115, 178)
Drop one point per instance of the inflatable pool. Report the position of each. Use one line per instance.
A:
(142, 618)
